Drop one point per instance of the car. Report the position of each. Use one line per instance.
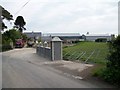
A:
(19, 43)
(30, 43)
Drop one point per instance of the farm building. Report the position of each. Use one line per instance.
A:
(93, 37)
(66, 37)
(35, 35)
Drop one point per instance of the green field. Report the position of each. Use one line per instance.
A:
(91, 52)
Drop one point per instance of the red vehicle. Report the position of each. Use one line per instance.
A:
(19, 43)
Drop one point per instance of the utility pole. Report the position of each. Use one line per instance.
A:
(119, 18)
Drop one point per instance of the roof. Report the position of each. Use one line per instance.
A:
(33, 34)
(61, 34)
(97, 35)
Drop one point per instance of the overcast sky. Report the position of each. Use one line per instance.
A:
(79, 16)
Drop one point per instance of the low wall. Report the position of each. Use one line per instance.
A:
(54, 52)
(44, 52)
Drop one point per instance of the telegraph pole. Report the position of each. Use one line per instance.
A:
(119, 18)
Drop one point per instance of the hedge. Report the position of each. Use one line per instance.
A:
(6, 47)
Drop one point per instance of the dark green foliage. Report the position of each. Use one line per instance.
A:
(5, 15)
(6, 47)
(3, 26)
(24, 36)
(20, 23)
(75, 42)
(10, 35)
(101, 40)
(112, 71)
(0, 38)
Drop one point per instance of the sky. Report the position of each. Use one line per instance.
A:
(66, 16)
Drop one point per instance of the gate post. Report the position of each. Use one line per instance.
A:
(56, 48)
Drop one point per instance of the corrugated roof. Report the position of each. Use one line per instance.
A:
(61, 34)
(97, 35)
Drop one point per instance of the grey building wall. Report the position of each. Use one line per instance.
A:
(46, 38)
(63, 36)
(93, 38)
(35, 35)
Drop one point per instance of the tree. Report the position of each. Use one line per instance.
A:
(12, 34)
(112, 71)
(5, 15)
(24, 36)
(20, 23)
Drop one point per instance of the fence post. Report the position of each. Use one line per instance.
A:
(56, 48)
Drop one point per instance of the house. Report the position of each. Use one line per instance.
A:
(93, 37)
(34, 35)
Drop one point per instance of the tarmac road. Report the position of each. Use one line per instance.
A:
(18, 72)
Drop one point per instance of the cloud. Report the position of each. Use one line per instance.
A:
(95, 16)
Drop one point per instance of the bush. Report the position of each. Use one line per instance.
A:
(11, 35)
(75, 42)
(101, 40)
(112, 71)
(0, 47)
(6, 47)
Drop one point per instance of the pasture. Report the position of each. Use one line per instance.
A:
(89, 52)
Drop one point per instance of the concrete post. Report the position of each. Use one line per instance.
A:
(11, 44)
(56, 48)
(45, 44)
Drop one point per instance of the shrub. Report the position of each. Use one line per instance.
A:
(112, 71)
(6, 47)
(101, 40)
(75, 42)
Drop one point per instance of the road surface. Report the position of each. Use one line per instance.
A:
(19, 72)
